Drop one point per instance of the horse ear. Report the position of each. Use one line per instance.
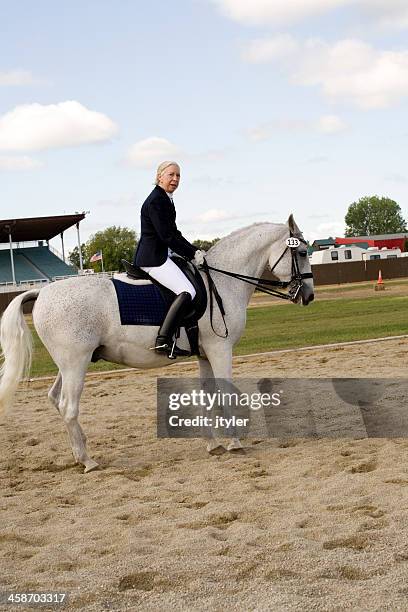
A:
(291, 223)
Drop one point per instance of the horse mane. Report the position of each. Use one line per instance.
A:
(242, 231)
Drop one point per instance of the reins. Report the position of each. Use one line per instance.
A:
(262, 284)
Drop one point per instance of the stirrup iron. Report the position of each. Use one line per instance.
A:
(171, 355)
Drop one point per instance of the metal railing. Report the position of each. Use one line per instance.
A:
(31, 245)
(56, 252)
(9, 286)
(27, 244)
(35, 281)
(103, 274)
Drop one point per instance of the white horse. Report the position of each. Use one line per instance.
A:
(75, 316)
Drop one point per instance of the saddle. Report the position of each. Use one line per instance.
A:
(144, 301)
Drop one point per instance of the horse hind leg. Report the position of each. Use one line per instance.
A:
(71, 389)
(54, 393)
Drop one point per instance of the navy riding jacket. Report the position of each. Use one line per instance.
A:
(159, 232)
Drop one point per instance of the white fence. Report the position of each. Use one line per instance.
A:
(23, 285)
(105, 274)
(9, 287)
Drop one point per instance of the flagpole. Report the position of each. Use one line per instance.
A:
(102, 261)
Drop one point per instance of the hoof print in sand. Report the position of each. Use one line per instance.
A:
(356, 542)
(348, 572)
(364, 466)
(141, 581)
(401, 555)
(221, 521)
(280, 573)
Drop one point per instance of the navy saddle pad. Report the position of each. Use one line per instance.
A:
(140, 304)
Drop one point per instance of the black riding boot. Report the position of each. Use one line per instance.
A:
(164, 340)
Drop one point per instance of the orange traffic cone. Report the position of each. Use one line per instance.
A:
(380, 283)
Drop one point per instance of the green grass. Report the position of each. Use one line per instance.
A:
(270, 328)
(324, 322)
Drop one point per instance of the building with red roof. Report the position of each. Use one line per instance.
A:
(390, 241)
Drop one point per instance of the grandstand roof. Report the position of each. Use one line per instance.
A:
(37, 228)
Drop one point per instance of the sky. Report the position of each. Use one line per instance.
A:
(271, 107)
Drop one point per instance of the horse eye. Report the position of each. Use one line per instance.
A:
(302, 253)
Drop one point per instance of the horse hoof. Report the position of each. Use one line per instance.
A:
(90, 465)
(237, 451)
(217, 450)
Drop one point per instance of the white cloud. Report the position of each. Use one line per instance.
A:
(327, 124)
(150, 151)
(277, 126)
(199, 235)
(19, 163)
(330, 124)
(325, 230)
(122, 201)
(351, 71)
(318, 159)
(395, 177)
(276, 12)
(214, 214)
(259, 133)
(267, 49)
(385, 13)
(211, 155)
(15, 78)
(35, 127)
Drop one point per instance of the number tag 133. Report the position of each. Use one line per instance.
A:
(292, 242)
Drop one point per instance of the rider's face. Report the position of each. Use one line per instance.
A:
(170, 178)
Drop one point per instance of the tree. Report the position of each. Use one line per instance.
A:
(374, 215)
(204, 245)
(116, 243)
(73, 257)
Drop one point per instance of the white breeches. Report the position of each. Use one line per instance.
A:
(171, 277)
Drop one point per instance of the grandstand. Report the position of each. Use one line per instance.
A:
(33, 263)
(26, 257)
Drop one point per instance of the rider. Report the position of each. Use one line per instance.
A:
(159, 234)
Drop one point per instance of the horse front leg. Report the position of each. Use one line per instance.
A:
(214, 447)
(220, 359)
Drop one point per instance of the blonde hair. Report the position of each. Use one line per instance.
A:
(162, 168)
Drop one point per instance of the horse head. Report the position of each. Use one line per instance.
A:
(291, 263)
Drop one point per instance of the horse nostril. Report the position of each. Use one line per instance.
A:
(306, 300)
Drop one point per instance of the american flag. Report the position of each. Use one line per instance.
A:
(96, 257)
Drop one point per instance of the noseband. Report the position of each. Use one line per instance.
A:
(294, 285)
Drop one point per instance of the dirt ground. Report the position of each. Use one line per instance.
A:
(295, 524)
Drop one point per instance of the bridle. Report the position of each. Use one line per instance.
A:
(294, 285)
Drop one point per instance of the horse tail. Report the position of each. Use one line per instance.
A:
(16, 347)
